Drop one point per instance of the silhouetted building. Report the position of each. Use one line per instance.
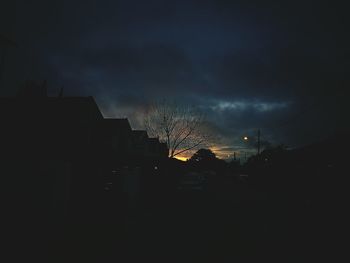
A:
(62, 155)
(115, 138)
(140, 143)
(156, 149)
(48, 148)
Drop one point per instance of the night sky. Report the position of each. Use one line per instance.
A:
(281, 67)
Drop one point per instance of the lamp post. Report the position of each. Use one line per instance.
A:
(246, 138)
(258, 141)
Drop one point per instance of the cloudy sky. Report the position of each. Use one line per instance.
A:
(279, 67)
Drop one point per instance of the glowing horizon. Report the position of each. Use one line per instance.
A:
(224, 152)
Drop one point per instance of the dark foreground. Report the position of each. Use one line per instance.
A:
(236, 222)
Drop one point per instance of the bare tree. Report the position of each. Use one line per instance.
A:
(180, 127)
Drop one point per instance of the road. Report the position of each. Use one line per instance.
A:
(233, 223)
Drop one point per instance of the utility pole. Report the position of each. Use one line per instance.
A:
(2, 63)
(258, 141)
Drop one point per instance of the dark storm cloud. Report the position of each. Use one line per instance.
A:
(151, 67)
(279, 66)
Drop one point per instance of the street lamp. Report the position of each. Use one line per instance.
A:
(245, 138)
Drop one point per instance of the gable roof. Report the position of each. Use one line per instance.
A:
(65, 108)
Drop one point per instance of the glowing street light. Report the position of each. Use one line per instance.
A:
(245, 138)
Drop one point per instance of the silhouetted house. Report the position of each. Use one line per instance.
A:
(49, 127)
(163, 149)
(156, 149)
(115, 145)
(62, 155)
(115, 136)
(140, 144)
(48, 148)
